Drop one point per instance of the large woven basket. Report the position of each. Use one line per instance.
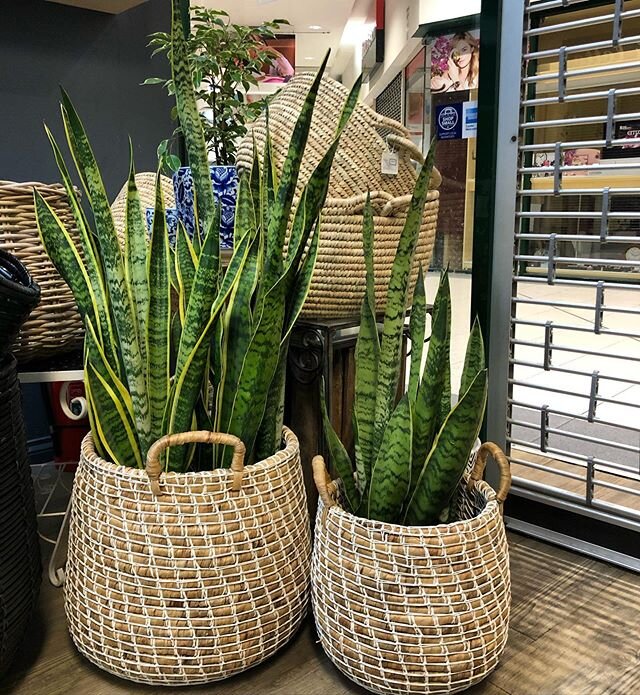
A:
(55, 325)
(414, 609)
(187, 578)
(338, 284)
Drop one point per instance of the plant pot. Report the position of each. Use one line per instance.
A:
(414, 609)
(20, 570)
(179, 579)
(19, 295)
(224, 180)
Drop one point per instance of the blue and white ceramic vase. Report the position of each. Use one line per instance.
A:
(224, 180)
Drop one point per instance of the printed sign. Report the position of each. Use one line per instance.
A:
(469, 119)
(449, 121)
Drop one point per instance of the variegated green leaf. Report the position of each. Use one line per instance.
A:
(339, 458)
(186, 263)
(159, 319)
(391, 346)
(135, 255)
(417, 325)
(392, 469)
(366, 359)
(449, 455)
(113, 428)
(429, 397)
(118, 290)
(190, 121)
(474, 360)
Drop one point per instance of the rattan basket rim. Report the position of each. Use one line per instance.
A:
(289, 451)
(484, 517)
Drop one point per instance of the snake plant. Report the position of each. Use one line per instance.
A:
(173, 343)
(409, 455)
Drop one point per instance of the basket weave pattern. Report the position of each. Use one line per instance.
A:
(192, 586)
(408, 609)
(338, 284)
(55, 325)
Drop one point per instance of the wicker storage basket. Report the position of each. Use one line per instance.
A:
(338, 285)
(55, 325)
(414, 609)
(19, 549)
(192, 577)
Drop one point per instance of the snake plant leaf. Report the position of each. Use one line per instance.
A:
(245, 215)
(186, 263)
(281, 209)
(429, 396)
(89, 252)
(119, 294)
(258, 369)
(391, 345)
(445, 403)
(301, 284)
(135, 255)
(64, 255)
(114, 430)
(417, 325)
(269, 437)
(159, 318)
(339, 457)
(392, 469)
(188, 384)
(190, 121)
(474, 360)
(449, 455)
(238, 329)
(366, 358)
(202, 293)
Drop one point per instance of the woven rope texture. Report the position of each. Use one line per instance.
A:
(408, 609)
(54, 326)
(192, 586)
(338, 284)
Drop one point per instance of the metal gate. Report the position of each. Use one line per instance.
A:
(569, 130)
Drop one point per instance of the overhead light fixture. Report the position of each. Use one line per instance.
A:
(309, 57)
(315, 27)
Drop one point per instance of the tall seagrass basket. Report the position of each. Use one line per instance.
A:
(54, 326)
(338, 284)
(414, 609)
(179, 579)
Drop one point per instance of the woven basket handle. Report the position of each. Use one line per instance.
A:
(355, 204)
(322, 479)
(489, 448)
(154, 468)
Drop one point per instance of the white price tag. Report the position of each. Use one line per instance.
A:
(390, 163)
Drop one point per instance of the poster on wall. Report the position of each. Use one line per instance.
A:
(624, 130)
(455, 62)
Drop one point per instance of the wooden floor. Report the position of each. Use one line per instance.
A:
(575, 630)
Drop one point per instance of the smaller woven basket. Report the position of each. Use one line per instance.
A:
(414, 609)
(179, 579)
(338, 283)
(54, 326)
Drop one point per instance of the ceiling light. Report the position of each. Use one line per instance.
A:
(315, 27)
(309, 58)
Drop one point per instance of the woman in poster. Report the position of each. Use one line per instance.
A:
(455, 63)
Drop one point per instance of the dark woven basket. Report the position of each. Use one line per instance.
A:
(20, 570)
(19, 295)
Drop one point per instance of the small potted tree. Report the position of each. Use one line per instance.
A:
(410, 570)
(226, 59)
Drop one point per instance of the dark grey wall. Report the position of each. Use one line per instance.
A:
(100, 60)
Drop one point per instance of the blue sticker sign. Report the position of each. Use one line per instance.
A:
(470, 119)
(449, 121)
